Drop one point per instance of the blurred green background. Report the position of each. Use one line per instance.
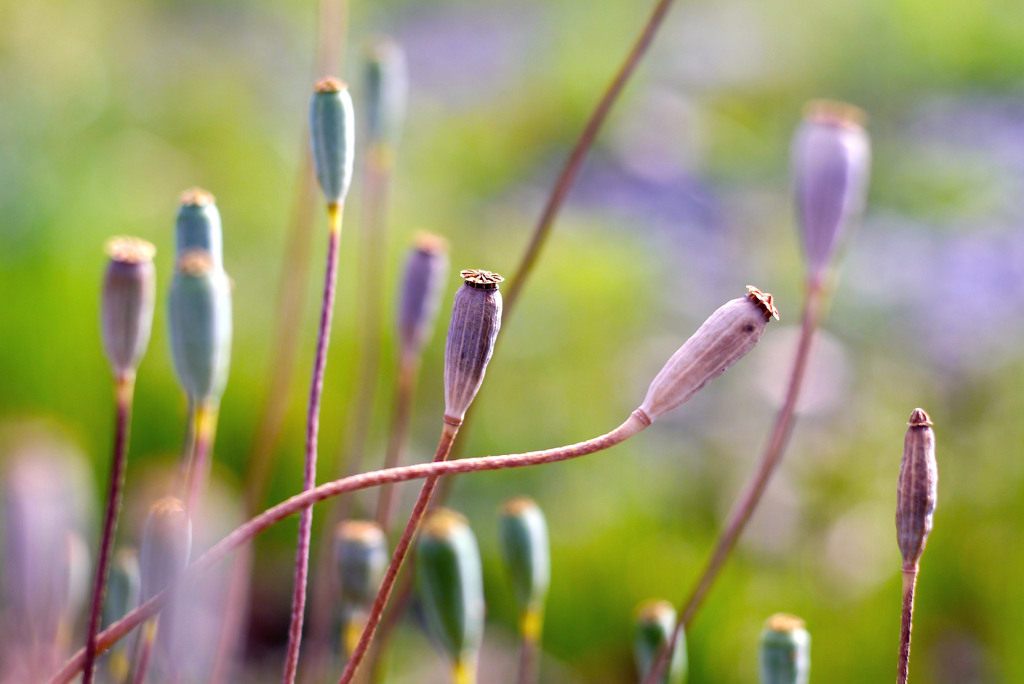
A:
(109, 109)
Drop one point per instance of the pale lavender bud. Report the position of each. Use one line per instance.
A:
(166, 545)
(831, 166)
(129, 297)
(916, 489)
(476, 317)
(422, 287)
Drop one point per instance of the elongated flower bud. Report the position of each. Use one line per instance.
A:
(426, 270)
(917, 488)
(129, 296)
(523, 538)
(655, 624)
(332, 130)
(451, 587)
(124, 586)
(784, 656)
(166, 545)
(831, 166)
(387, 85)
(476, 317)
(199, 319)
(361, 555)
(198, 226)
(724, 338)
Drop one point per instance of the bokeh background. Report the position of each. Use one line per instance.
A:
(109, 109)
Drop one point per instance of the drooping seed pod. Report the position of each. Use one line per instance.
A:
(426, 270)
(917, 488)
(361, 557)
(724, 338)
(655, 624)
(784, 655)
(199, 319)
(198, 226)
(476, 318)
(332, 131)
(129, 296)
(523, 540)
(387, 85)
(166, 545)
(831, 166)
(450, 582)
(124, 586)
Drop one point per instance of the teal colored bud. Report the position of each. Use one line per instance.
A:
(198, 226)
(128, 300)
(387, 87)
(523, 538)
(785, 653)
(655, 623)
(124, 586)
(332, 130)
(451, 585)
(361, 557)
(166, 546)
(199, 319)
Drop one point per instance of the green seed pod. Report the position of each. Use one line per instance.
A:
(523, 539)
(451, 585)
(917, 488)
(166, 545)
(332, 129)
(129, 296)
(198, 226)
(724, 338)
(361, 557)
(387, 85)
(655, 623)
(784, 656)
(124, 586)
(422, 287)
(476, 318)
(199, 319)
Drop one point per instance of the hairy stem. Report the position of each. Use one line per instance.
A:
(906, 623)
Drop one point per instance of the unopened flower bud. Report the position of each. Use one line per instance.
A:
(916, 489)
(523, 539)
(332, 131)
(198, 226)
(124, 586)
(476, 317)
(724, 338)
(129, 296)
(831, 166)
(784, 656)
(199, 319)
(361, 557)
(387, 85)
(451, 588)
(426, 270)
(166, 545)
(655, 625)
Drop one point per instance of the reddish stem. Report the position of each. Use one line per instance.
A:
(906, 623)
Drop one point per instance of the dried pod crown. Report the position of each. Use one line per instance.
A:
(476, 318)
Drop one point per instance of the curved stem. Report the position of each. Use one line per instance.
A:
(125, 391)
(906, 623)
(291, 662)
(407, 374)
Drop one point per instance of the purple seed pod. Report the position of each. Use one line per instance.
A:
(476, 317)
(831, 166)
(166, 545)
(426, 270)
(129, 297)
(916, 489)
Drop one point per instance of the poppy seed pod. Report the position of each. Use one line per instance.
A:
(724, 338)
(917, 488)
(831, 166)
(129, 296)
(123, 587)
(387, 85)
(523, 539)
(332, 132)
(199, 319)
(655, 625)
(198, 226)
(422, 287)
(784, 655)
(166, 545)
(361, 557)
(451, 588)
(476, 318)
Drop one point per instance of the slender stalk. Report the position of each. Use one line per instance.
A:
(235, 611)
(205, 431)
(408, 372)
(145, 650)
(740, 515)
(906, 622)
(124, 393)
(270, 517)
(528, 660)
(334, 212)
